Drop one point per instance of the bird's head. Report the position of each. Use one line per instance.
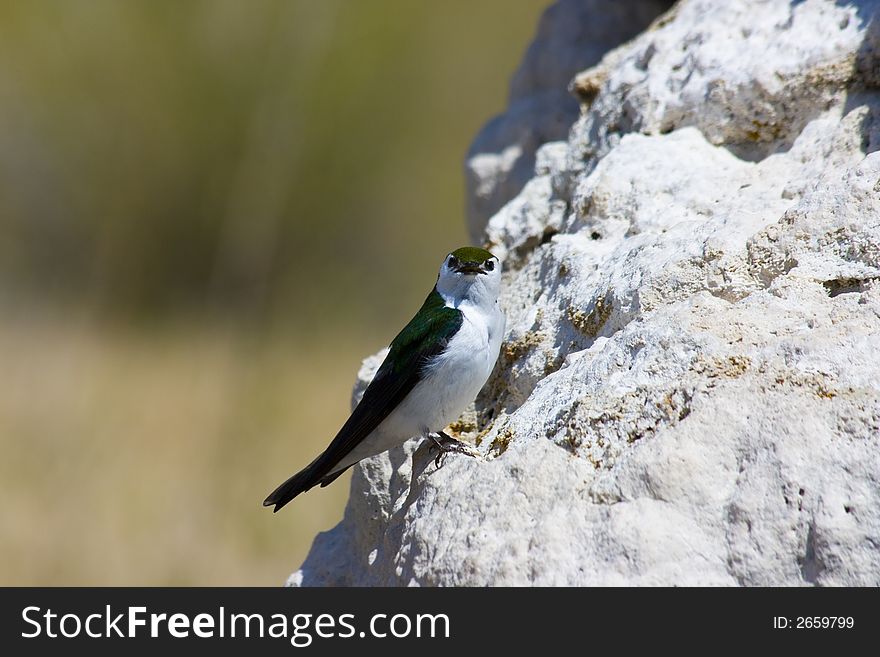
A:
(469, 272)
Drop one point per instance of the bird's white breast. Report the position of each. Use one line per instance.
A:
(451, 382)
(456, 376)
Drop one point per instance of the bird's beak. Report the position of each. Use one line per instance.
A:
(471, 268)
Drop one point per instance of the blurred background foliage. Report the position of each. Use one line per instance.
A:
(210, 211)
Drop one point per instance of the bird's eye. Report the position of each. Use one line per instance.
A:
(489, 265)
(453, 261)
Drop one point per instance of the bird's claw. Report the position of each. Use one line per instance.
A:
(444, 444)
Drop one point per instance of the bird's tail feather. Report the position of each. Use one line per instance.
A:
(329, 479)
(313, 474)
(302, 481)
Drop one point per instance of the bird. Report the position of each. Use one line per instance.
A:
(434, 368)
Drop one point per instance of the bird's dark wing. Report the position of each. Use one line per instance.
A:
(426, 335)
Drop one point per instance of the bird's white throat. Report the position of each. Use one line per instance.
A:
(478, 290)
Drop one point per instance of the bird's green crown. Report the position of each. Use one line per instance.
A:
(472, 254)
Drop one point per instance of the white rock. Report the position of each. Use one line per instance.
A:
(572, 35)
(689, 391)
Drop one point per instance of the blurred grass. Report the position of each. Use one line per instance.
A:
(142, 458)
(210, 211)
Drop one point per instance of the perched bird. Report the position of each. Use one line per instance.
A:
(435, 367)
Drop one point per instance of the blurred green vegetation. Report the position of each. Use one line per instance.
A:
(172, 156)
(209, 212)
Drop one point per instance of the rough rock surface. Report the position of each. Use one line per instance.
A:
(572, 35)
(689, 391)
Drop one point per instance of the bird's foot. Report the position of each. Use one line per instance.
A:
(444, 444)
